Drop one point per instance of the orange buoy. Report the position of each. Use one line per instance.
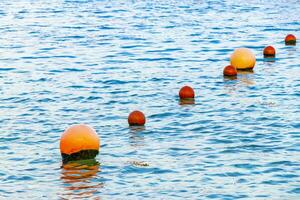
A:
(290, 39)
(79, 142)
(269, 51)
(243, 58)
(186, 92)
(230, 71)
(136, 118)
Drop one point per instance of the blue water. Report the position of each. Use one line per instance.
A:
(87, 61)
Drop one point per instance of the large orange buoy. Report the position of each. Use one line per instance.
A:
(136, 118)
(269, 51)
(243, 58)
(186, 92)
(79, 142)
(290, 39)
(230, 71)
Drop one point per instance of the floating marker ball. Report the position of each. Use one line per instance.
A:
(136, 118)
(290, 39)
(186, 92)
(230, 71)
(243, 59)
(79, 142)
(269, 51)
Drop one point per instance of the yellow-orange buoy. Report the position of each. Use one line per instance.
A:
(243, 58)
(230, 71)
(186, 92)
(290, 39)
(136, 118)
(269, 51)
(79, 142)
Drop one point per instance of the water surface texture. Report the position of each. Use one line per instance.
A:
(93, 62)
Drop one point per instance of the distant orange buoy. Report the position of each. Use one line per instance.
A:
(79, 142)
(290, 39)
(243, 59)
(230, 71)
(269, 51)
(136, 118)
(186, 92)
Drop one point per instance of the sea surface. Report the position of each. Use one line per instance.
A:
(94, 61)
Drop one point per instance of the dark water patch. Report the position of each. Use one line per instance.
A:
(7, 69)
(155, 59)
(246, 166)
(164, 50)
(225, 197)
(229, 174)
(280, 163)
(221, 141)
(285, 176)
(73, 70)
(118, 82)
(12, 178)
(132, 46)
(147, 170)
(296, 191)
(274, 182)
(106, 27)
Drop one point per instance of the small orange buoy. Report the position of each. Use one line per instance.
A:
(230, 71)
(290, 39)
(269, 51)
(186, 92)
(242, 58)
(136, 118)
(79, 142)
